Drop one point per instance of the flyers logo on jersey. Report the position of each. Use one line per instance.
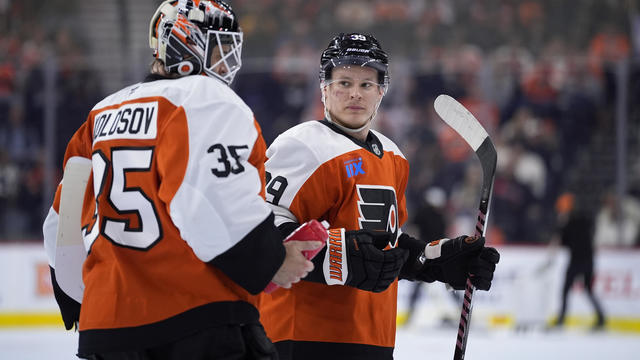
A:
(378, 208)
(130, 121)
(354, 167)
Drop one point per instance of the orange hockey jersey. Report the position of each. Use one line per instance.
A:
(318, 172)
(177, 231)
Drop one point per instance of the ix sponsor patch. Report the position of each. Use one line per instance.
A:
(354, 167)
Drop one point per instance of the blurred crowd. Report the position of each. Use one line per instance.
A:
(541, 76)
(31, 39)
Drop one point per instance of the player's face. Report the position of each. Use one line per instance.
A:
(221, 69)
(352, 95)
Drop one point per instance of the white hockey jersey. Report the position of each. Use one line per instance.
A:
(177, 181)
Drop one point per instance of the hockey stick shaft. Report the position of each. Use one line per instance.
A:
(467, 302)
(468, 127)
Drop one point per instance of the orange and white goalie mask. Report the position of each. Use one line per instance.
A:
(197, 37)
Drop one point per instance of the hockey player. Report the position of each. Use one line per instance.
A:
(341, 171)
(178, 235)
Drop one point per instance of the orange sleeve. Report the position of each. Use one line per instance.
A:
(258, 157)
(402, 168)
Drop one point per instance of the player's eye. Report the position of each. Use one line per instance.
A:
(369, 85)
(344, 83)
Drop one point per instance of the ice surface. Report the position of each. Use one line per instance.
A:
(503, 345)
(411, 344)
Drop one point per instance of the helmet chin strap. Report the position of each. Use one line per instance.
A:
(327, 115)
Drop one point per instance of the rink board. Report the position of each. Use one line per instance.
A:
(527, 288)
(26, 295)
(525, 292)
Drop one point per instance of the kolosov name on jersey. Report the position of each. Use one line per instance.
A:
(130, 121)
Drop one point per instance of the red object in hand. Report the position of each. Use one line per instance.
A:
(312, 230)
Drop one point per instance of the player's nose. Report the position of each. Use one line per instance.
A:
(222, 69)
(355, 93)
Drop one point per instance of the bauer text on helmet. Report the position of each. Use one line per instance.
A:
(197, 37)
(355, 49)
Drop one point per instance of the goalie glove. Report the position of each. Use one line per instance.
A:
(357, 259)
(450, 261)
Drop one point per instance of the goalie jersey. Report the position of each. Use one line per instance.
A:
(176, 197)
(315, 171)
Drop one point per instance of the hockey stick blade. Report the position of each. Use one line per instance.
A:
(461, 120)
(468, 127)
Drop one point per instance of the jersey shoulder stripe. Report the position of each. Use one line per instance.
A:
(319, 140)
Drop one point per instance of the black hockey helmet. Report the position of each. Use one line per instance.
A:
(355, 49)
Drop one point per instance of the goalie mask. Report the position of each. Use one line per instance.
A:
(197, 37)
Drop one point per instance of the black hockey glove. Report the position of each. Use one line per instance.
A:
(450, 261)
(69, 308)
(357, 259)
(370, 267)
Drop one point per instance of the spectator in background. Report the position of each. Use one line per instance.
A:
(9, 184)
(464, 197)
(609, 46)
(512, 199)
(29, 200)
(17, 138)
(77, 84)
(7, 78)
(626, 213)
(23, 147)
(575, 227)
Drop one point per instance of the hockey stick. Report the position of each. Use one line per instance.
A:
(467, 126)
(70, 250)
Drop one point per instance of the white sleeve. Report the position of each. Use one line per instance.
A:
(290, 163)
(283, 215)
(219, 198)
(49, 232)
